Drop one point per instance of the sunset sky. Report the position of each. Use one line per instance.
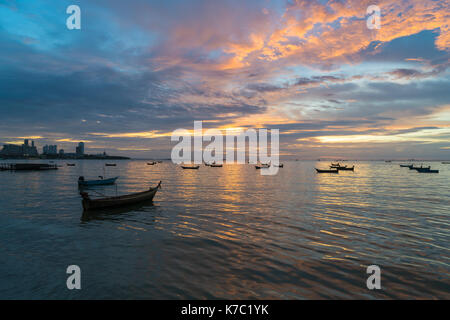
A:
(137, 70)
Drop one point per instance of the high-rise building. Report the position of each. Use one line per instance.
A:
(52, 149)
(80, 149)
(24, 150)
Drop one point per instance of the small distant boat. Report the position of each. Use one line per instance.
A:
(388, 161)
(151, 163)
(427, 170)
(99, 182)
(110, 164)
(216, 165)
(109, 202)
(345, 168)
(445, 162)
(327, 170)
(280, 165)
(420, 168)
(262, 166)
(71, 164)
(337, 165)
(406, 165)
(190, 167)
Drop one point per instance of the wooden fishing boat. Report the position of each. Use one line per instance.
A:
(261, 166)
(420, 168)
(335, 164)
(110, 164)
(406, 165)
(427, 170)
(99, 182)
(345, 168)
(151, 163)
(327, 170)
(111, 202)
(216, 165)
(190, 167)
(27, 166)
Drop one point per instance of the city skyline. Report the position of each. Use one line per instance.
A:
(312, 69)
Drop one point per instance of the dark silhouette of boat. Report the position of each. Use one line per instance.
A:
(216, 165)
(71, 164)
(151, 163)
(345, 168)
(337, 165)
(445, 162)
(427, 170)
(100, 182)
(27, 166)
(261, 166)
(110, 164)
(190, 167)
(406, 165)
(420, 168)
(327, 170)
(112, 202)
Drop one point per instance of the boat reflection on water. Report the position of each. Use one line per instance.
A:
(117, 213)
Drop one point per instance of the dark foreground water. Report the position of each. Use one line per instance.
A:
(228, 233)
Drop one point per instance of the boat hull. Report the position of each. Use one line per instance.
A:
(97, 182)
(326, 171)
(112, 202)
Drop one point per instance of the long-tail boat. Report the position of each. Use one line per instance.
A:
(110, 202)
(190, 167)
(420, 168)
(345, 168)
(216, 165)
(327, 170)
(99, 182)
(427, 170)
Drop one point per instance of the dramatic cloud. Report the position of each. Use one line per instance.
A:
(140, 69)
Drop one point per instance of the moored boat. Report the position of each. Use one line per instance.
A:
(261, 166)
(216, 165)
(99, 182)
(110, 202)
(110, 164)
(345, 168)
(71, 164)
(406, 165)
(327, 170)
(427, 170)
(190, 167)
(420, 168)
(151, 163)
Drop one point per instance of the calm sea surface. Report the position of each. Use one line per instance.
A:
(228, 233)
